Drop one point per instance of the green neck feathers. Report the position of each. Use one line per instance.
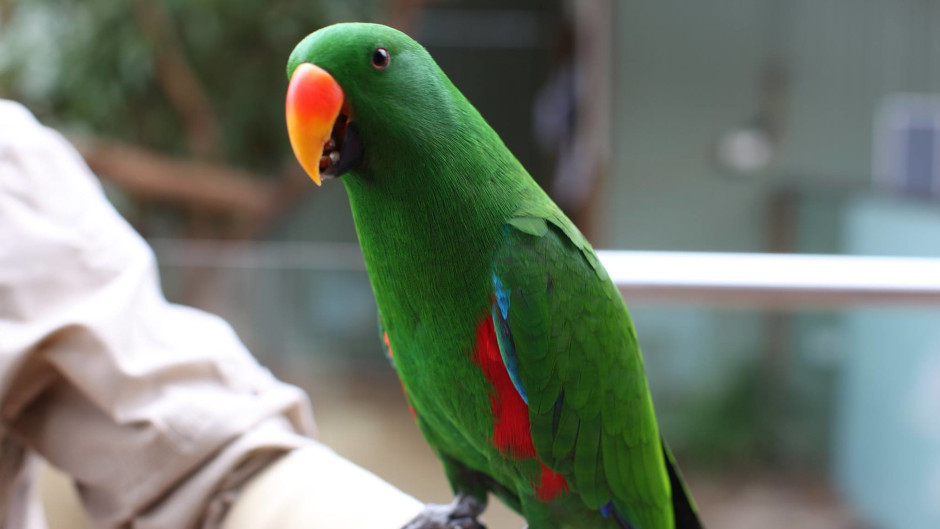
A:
(428, 222)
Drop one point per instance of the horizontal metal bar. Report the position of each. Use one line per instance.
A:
(773, 280)
(766, 280)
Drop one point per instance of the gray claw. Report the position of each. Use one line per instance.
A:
(459, 514)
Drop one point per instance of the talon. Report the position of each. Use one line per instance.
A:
(460, 514)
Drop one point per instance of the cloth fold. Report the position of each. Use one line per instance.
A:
(155, 409)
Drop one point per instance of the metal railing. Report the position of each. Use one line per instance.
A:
(765, 280)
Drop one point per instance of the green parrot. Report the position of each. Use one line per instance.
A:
(514, 348)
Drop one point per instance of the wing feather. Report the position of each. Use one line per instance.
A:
(590, 412)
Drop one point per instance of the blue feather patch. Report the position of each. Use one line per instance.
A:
(507, 348)
(608, 509)
(502, 297)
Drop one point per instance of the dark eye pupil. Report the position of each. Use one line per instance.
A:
(380, 58)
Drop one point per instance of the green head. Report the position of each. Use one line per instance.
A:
(367, 100)
(395, 99)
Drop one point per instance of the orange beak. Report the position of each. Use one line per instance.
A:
(314, 100)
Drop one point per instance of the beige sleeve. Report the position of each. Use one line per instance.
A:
(153, 408)
(288, 495)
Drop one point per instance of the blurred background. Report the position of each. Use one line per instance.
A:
(794, 126)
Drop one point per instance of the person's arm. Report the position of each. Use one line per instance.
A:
(156, 410)
(287, 495)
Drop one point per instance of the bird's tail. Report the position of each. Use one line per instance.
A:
(683, 506)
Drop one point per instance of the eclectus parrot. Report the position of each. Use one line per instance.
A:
(514, 348)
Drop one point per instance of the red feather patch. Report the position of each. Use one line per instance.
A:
(551, 484)
(512, 434)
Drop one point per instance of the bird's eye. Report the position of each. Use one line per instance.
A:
(380, 58)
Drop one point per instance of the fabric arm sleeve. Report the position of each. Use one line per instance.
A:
(149, 406)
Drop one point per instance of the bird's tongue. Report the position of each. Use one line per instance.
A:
(314, 100)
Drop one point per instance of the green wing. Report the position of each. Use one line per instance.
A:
(579, 364)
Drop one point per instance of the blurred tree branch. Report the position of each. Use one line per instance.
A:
(6, 12)
(157, 177)
(196, 186)
(177, 79)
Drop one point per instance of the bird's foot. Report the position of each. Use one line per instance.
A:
(459, 514)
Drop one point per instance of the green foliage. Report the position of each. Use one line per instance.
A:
(94, 66)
